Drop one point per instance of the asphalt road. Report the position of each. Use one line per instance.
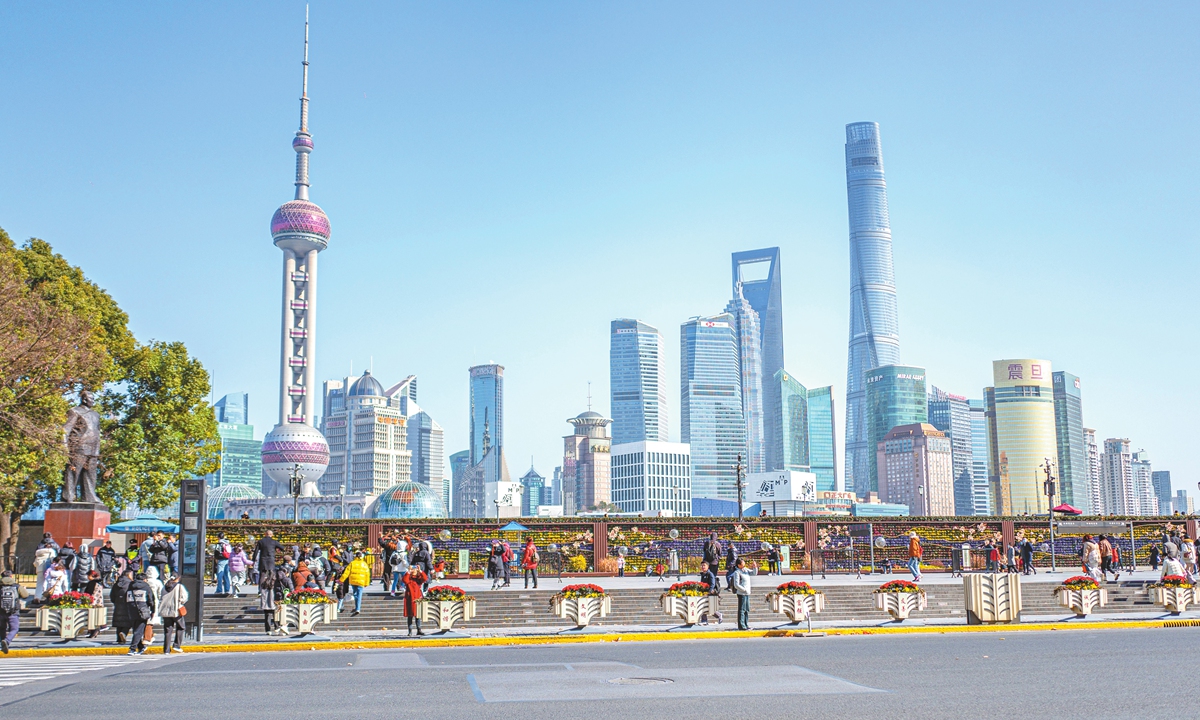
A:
(1067, 674)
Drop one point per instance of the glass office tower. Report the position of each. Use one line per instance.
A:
(1020, 410)
(874, 328)
(750, 362)
(952, 415)
(895, 396)
(487, 413)
(979, 458)
(1072, 452)
(758, 272)
(711, 405)
(804, 422)
(821, 453)
(637, 382)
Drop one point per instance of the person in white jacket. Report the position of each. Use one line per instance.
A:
(174, 597)
(741, 587)
(157, 586)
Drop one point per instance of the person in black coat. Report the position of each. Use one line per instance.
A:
(141, 603)
(712, 552)
(421, 558)
(160, 554)
(264, 554)
(106, 560)
(731, 558)
(121, 619)
(709, 577)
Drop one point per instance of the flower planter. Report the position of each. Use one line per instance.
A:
(899, 605)
(69, 622)
(1174, 599)
(582, 609)
(1081, 601)
(305, 616)
(797, 606)
(690, 608)
(446, 612)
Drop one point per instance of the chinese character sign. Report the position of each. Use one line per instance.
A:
(1016, 371)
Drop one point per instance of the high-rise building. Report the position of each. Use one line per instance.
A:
(534, 494)
(1116, 478)
(301, 230)
(1095, 490)
(1161, 480)
(759, 274)
(821, 444)
(803, 420)
(637, 382)
(1020, 412)
(555, 494)
(874, 327)
(952, 415)
(916, 468)
(368, 442)
(1143, 483)
(711, 420)
(653, 478)
(979, 459)
(487, 413)
(1182, 503)
(1074, 484)
(745, 323)
(425, 441)
(463, 490)
(896, 395)
(233, 408)
(586, 463)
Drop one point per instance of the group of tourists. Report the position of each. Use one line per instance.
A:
(142, 601)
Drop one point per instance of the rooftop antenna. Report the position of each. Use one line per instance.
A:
(589, 395)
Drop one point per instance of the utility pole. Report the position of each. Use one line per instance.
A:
(740, 484)
(296, 478)
(1048, 486)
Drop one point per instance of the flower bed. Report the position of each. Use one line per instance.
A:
(307, 596)
(1173, 581)
(305, 608)
(899, 598)
(446, 605)
(689, 601)
(797, 600)
(69, 614)
(446, 593)
(581, 603)
(1175, 593)
(1080, 582)
(797, 588)
(1082, 594)
(70, 600)
(691, 588)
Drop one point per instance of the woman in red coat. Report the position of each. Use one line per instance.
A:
(413, 580)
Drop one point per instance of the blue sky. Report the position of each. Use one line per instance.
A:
(503, 179)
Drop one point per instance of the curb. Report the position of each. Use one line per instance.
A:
(590, 638)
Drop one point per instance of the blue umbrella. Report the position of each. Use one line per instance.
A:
(142, 524)
(514, 527)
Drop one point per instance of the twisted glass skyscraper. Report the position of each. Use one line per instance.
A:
(874, 330)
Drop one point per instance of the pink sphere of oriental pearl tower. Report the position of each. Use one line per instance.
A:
(301, 230)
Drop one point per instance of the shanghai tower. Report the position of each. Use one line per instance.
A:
(874, 331)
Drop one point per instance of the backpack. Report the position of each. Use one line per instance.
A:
(10, 599)
(226, 552)
(508, 553)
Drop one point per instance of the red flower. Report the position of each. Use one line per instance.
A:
(899, 586)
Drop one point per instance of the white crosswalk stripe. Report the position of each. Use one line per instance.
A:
(17, 671)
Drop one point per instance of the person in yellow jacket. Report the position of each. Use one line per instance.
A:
(358, 573)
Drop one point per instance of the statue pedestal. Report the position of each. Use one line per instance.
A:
(77, 522)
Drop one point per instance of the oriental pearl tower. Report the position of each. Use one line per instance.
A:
(301, 230)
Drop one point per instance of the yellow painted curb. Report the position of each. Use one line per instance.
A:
(405, 643)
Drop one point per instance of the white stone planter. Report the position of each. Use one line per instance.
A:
(69, 622)
(797, 607)
(992, 598)
(1081, 601)
(305, 617)
(690, 608)
(1175, 600)
(899, 605)
(446, 612)
(583, 609)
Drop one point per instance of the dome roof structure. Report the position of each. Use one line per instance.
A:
(232, 491)
(301, 226)
(366, 385)
(409, 500)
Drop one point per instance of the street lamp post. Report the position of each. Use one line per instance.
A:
(1048, 486)
(296, 478)
(475, 507)
(741, 472)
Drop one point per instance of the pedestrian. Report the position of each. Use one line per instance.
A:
(1010, 558)
(122, 618)
(43, 558)
(106, 563)
(709, 578)
(1189, 555)
(495, 566)
(156, 585)
(1172, 565)
(731, 558)
(81, 568)
(530, 558)
(94, 587)
(221, 555)
(142, 606)
(993, 557)
(160, 555)
(11, 595)
(66, 558)
(48, 543)
(238, 564)
(302, 577)
(1106, 566)
(172, 610)
(397, 566)
(620, 566)
(741, 586)
(773, 560)
(712, 553)
(915, 552)
(266, 603)
(422, 557)
(172, 557)
(358, 575)
(1155, 556)
(1027, 558)
(414, 579)
(387, 548)
(57, 581)
(144, 551)
(265, 551)
(1090, 553)
(508, 558)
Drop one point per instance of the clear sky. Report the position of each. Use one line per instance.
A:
(503, 179)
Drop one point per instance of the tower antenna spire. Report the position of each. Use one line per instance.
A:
(303, 143)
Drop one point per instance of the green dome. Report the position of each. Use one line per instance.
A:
(409, 500)
(218, 496)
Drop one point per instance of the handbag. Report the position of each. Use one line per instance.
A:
(182, 611)
(149, 634)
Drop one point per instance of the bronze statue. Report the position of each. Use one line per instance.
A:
(81, 435)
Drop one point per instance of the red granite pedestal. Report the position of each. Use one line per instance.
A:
(77, 522)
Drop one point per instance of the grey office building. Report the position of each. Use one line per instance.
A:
(637, 382)
(979, 458)
(952, 415)
(758, 271)
(1073, 477)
